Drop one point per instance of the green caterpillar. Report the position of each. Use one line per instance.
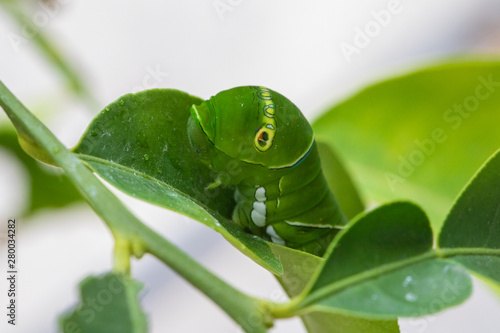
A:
(260, 143)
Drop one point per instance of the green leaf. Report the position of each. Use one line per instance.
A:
(390, 233)
(420, 136)
(340, 181)
(486, 267)
(420, 289)
(42, 181)
(323, 322)
(298, 269)
(140, 144)
(108, 304)
(382, 266)
(474, 221)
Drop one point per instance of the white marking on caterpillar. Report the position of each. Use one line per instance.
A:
(280, 188)
(302, 224)
(260, 207)
(258, 213)
(275, 238)
(257, 218)
(260, 194)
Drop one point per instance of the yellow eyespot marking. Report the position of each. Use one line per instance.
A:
(265, 135)
(264, 139)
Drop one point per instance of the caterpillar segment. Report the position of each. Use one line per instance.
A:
(264, 147)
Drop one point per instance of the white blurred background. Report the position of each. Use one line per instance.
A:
(203, 47)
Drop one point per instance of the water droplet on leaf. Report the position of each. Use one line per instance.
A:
(408, 280)
(411, 297)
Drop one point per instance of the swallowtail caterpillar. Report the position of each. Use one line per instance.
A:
(265, 148)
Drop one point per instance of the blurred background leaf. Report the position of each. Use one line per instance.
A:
(21, 12)
(108, 304)
(420, 136)
(340, 182)
(48, 187)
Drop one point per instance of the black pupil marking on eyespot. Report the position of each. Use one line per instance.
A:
(264, 136)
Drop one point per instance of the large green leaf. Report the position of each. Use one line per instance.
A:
(419, 136)
(47, 189)
(109, 304)
(383, 266)
(140, 144)
(474, 222)
(298, 268)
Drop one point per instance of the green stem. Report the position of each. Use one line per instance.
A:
(302, 303)
(133, 236)
(122, 256)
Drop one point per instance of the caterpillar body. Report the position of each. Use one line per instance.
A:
(258, 141)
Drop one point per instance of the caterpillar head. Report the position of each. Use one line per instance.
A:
(255, 125)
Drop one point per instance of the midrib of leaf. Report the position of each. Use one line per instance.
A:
(305, 302)
(89, 158)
